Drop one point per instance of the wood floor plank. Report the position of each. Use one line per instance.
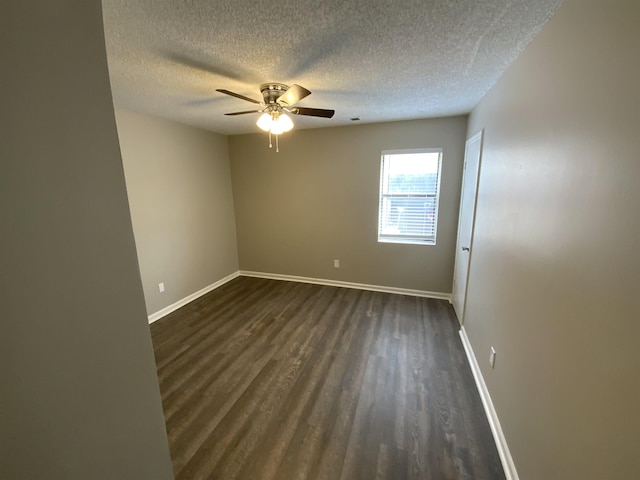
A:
(237, 430)
(264, 379)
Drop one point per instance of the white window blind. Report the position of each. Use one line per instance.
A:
(409, 188)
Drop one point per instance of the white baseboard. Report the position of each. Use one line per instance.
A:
(357, 286)
(181, 303)
(276, 276)
(501, 443)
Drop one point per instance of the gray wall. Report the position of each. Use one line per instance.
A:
(179, 186)
(555, 266)
(317, 200)
(79, 395)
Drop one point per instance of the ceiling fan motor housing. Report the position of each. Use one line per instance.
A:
(272, 91)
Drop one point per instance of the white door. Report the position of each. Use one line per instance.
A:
(472, 156)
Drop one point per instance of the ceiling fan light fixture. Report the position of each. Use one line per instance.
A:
(275, 122)
(265, 121)
(282, 124)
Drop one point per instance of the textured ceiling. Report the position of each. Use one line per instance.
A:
(380, 60)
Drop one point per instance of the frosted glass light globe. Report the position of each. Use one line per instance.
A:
(265, 122)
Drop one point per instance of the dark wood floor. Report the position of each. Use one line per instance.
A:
(265, 379)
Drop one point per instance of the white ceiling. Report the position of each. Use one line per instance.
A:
(380, 60)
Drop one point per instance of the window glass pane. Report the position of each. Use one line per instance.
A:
(411, 173)
(408, 216)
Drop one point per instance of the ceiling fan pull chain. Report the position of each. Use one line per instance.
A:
(270, 146)
(277, 145)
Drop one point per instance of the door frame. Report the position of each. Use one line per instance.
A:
(469, 140)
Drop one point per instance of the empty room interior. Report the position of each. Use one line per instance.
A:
(320, 240)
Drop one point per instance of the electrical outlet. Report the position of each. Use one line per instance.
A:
(492, 357)
(336, 264)
(161, 287)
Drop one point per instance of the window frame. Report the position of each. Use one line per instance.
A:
(409, 238)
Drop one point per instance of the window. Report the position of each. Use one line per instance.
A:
(409, 187)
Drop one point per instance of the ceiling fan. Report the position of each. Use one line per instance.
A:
(279, 99)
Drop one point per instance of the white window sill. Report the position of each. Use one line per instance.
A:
(410, 241)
